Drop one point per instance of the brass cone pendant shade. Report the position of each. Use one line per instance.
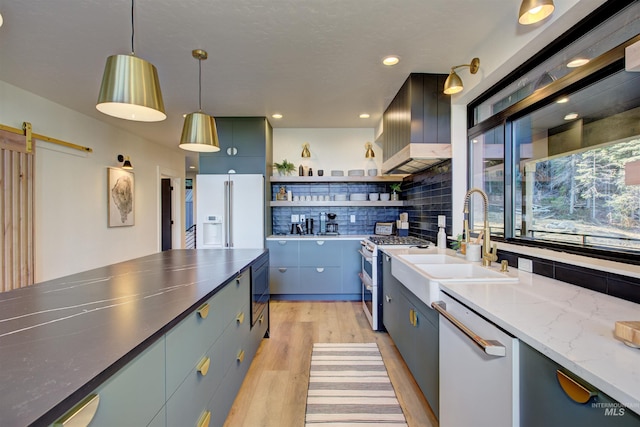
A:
(532, 11)
(131, 90)
(199, 133)
(453, 84)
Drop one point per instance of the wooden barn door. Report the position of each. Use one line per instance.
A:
(16, 173)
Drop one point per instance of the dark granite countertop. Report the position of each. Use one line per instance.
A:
(62, 338)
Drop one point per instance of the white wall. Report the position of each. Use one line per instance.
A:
(331, 149)
(71, 233)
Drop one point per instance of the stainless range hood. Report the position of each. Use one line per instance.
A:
(416, 157)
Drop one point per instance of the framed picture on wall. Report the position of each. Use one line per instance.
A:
(120, 192)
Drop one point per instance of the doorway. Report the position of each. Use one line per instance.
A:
(165, 208)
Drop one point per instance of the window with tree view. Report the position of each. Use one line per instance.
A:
(576, 162)
(557, 149)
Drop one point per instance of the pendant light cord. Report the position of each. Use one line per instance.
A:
(132, 28)
(200, 85)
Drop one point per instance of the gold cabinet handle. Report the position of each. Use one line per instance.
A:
(240, 318)
(238, 278)
(203, 366)
(205, 419)
(388, 298)
(576, 391)
(81, 414)
(203, 310)
(411, 314)
(240, 357)
(261, 318)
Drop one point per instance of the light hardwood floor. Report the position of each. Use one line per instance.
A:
(274, 391)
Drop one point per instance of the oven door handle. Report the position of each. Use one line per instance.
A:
(491, 347)
(369, 259)
(365, 281)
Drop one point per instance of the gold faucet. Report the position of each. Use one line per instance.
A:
(489, 253)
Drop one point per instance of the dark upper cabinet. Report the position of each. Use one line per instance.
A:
(419, 113)
(245, 146)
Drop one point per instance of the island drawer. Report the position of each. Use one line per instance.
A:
(189, 340)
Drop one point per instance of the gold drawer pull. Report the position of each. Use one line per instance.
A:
(203, 366)
(240, 357)
(203, 310)
(388, 298)
(240, 318)
(81, 414)
(261, 319)
(576, 391)
(205, 419)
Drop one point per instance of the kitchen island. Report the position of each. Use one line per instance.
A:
(62, 339)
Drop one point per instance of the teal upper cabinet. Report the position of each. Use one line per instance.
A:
(417, 125)
(245, 144)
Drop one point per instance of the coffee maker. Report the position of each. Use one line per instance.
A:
(332, 225)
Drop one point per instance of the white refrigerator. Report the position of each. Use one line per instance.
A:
(230, 211)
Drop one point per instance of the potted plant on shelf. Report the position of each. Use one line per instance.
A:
(284, 168)
(395, 188)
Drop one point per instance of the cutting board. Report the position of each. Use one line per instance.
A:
(629, 332)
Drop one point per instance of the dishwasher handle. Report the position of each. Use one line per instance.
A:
(491, 347)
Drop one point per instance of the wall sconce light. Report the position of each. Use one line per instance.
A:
(199, 132)
(305, 150)
(532, 11)
(453, 84)
(126, 162)
(369, 154)
(130, 88)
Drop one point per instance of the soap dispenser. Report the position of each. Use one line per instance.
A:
(442, 235)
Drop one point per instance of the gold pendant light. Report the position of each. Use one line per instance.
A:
(130, 87)
(532, 11)
(199, 131)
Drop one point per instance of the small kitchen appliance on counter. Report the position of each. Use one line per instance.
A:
(332, 225)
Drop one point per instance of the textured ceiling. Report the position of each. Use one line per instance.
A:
(318, 62)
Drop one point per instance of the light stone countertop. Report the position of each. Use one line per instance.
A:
(571, 325)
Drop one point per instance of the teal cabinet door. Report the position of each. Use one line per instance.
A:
(544, 403)
(283, 253)
(135, 395)
(351, 266)
(320, 253)
(284, 280)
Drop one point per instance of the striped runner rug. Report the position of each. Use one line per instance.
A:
(349, 386)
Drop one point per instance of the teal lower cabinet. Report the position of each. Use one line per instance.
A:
(132, 397)
(314, 269)
(544, 402)
(413, 327)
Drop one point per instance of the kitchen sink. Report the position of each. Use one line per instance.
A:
(423, 273)
(464, 272)
(431, 259)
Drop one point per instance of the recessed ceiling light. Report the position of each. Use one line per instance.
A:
(571, 116)
(390, 60)
(276, 116)
(577, 62)
(364, 116)
(563, 100)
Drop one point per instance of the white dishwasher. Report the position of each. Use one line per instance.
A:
(479, 369)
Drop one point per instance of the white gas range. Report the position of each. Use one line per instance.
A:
(370, 274)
